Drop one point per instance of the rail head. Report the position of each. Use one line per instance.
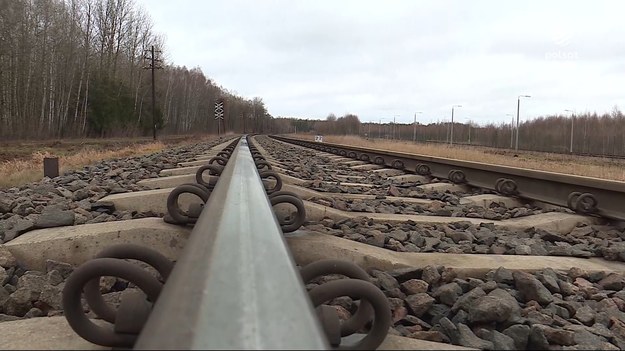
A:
(235, 285)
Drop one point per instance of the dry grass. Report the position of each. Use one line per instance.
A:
(19, 171)
(560, 163)
(23, 161)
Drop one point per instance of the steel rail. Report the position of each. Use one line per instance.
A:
(559, 189)
(235, 285)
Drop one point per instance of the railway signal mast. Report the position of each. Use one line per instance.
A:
(219, 114)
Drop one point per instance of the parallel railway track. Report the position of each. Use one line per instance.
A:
(440, 263)
(585, 195)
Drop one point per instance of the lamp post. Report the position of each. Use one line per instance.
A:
(380, 129)
(518, 107)
(394, 126)
(451, 131)
(414, 128)
(511, 129)
(572, 120)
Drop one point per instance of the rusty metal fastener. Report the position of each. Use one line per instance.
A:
(93, 269)
(173, 208)
(366, 291)
(123, 251)
(276, 176)
(299, 219)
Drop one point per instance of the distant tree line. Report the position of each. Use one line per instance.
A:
(592, 133)
(73, 68)
(348, 124)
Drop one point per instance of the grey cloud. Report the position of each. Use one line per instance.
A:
(381, 58)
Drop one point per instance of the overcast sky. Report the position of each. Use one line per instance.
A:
(381, 59)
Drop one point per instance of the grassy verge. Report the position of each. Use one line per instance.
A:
(22, 162)
(579, 165)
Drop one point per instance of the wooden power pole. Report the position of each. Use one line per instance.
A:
(153, 64)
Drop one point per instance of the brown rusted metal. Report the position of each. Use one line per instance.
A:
(173, 208)
(373, 306)
(219, 160)
(274, 175)
(506, 186)
(224, 154)
(331, 324)
(350, 270)
(94, 269)
(51, 167)
(123, 251)
(132, 314)
(365, 291)
(397, 164)
(423, 169)
(213, 170)
(293, 224)
(457, 176)
(263, 165)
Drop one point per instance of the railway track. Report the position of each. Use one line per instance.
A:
(456, 265)
(582, 194)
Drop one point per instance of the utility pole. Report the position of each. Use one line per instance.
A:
(154, 64)
(394, 128)
(451, 132)
(572, 120)
(511, 130)
(518, 107)
(414, 128)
